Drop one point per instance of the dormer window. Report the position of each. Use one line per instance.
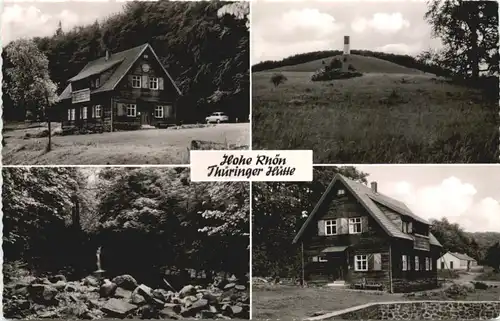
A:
(340, 192)
(406, 227)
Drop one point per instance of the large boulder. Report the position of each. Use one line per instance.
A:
(43, 294)
(126, 282)
(118, 308)
(122, 293)
(107, 289)
(145, 291)
(187, 291)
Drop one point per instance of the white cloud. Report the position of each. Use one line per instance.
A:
(29, 21)
(401, 48)
(295, 31)
(452, 199)
(381, 22)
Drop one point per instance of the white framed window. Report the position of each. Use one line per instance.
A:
(131, 110)
(355, 225)
(71, 114)
(417, 263)
(97, 82)
(136, 82)
(427, 263)
(404, 262)
(405, 227)
(430, 264)
(98, 111)
(341, 192)
(83, 112)
(153, 83)
(330, 227)
(159, 112)
(361, 263)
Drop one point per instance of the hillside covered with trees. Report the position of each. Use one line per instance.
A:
(203, 45)
(152, 224)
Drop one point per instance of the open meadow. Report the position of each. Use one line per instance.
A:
(149, 146)
(391, 114)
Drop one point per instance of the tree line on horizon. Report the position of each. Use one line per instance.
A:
(146, 221)
(187, 36)
(274, 255)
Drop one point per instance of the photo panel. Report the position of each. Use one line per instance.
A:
(377, 81)
(378, 242)
(123, 242)
(108, 83)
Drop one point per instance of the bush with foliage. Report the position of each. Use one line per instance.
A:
(331, 74)
(278, 79)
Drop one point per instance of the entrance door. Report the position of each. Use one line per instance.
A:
(336, 268)
(451, 265)
(145, 117)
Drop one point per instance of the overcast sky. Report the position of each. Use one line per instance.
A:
(284, 28)
(39, 18)
(467, 195)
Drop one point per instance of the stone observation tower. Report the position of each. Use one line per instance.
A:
(347, 48)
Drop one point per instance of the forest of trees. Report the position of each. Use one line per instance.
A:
(146, 220)
(273, 253)
(204, 45)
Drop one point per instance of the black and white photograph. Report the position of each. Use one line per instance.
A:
(123, 242)
(363, 82)
(134, 82)
(378, 242)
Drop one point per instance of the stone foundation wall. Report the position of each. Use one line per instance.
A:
(418, 310)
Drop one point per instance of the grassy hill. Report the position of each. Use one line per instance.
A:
(362, 64)
(392, 114)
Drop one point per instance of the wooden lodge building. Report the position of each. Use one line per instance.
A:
(123, 90)
(359, 237)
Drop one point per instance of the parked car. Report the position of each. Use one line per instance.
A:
(217, 117)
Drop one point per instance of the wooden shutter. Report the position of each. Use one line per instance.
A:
(364, 224)
(120, 109)
(370, 262)
(93, 111)
(145, 81)
(160, 83)
(130, 77)
(343, 225)
(167, 111)
(69, 114)
(377, 262)
(410, 227)
(321, 227)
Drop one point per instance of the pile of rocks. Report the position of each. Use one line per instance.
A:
(123, 297)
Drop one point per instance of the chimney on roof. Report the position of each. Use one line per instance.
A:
(374, 187)
(107, 55)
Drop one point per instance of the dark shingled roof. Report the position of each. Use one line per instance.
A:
(122, 61)
(370, 201)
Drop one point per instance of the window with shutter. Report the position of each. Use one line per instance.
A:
(159, 112)
(417, 263)
(355, 225)
(360, 263)
(84, 112)
(136, 81)
(131, 110)
(69, 114)
(153, 83)
(98, 111)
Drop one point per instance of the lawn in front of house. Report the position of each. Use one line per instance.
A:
(292, 302)
(136, 147)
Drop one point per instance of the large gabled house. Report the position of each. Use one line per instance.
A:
(123, 90)
(358, 236)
